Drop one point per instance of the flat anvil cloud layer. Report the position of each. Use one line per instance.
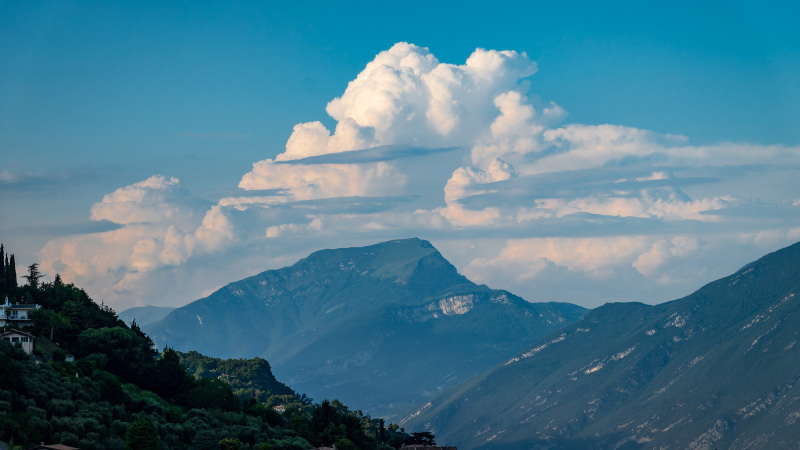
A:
(458, 154)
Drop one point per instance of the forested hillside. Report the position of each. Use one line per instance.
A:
(249, 378)
(120, 393)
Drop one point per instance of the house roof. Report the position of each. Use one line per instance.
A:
(23, 306)
(10, 332)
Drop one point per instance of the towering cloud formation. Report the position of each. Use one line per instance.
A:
(461, 155)
(406, 96)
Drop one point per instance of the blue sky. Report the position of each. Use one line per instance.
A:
(124, 126)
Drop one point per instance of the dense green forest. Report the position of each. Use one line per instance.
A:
(249, 378)
(120, 393)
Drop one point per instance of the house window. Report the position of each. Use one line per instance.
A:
(14, 339)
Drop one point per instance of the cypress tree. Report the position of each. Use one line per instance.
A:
(11, 275)
(2, 270)
(6, 287)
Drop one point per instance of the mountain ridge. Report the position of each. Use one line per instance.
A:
(717, 368)
(145, 315)
(340, 322)
(297, 283)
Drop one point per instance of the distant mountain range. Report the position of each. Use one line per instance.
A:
(380, 328)
(717, 369)
(145, 315)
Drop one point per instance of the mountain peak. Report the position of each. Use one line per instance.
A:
(409, 247)
(411, 261)
(345, 323)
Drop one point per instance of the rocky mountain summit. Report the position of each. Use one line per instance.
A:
(379, 327)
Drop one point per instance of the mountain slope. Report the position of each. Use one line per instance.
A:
(717, 369)
(272, 311)
(347, 323)
(390, 357)
(145, 315)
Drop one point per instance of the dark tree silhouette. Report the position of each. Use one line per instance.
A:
(11, 274)
(141, 435)
(422, 438)
(2, 269)
(33, 275)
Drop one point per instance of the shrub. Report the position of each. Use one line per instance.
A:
(119, 428)
(230, 444)
(70, 439)
(59, 355)
(61, 408)
(141, 436)
(100, 360)
(114, 443)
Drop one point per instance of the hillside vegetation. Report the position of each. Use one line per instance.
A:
(120, 393)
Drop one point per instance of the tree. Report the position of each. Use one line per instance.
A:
(47, 318)
(2, 270)
(422, 438)
(141, 436)
(58, 281)
(169, 378)
(34, 275)
(11, 274)
(344, 444)
(230, 444)
(209, 394)
(129, 356)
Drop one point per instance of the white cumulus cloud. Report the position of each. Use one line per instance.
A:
(404, 96)
(163, 226)
(649, 262)
(461, 154)
(151, 200)
(595, 257)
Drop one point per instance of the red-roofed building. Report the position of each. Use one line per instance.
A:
(42, 446)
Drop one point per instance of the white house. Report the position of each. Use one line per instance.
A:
(25, 340)
(16, 314)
